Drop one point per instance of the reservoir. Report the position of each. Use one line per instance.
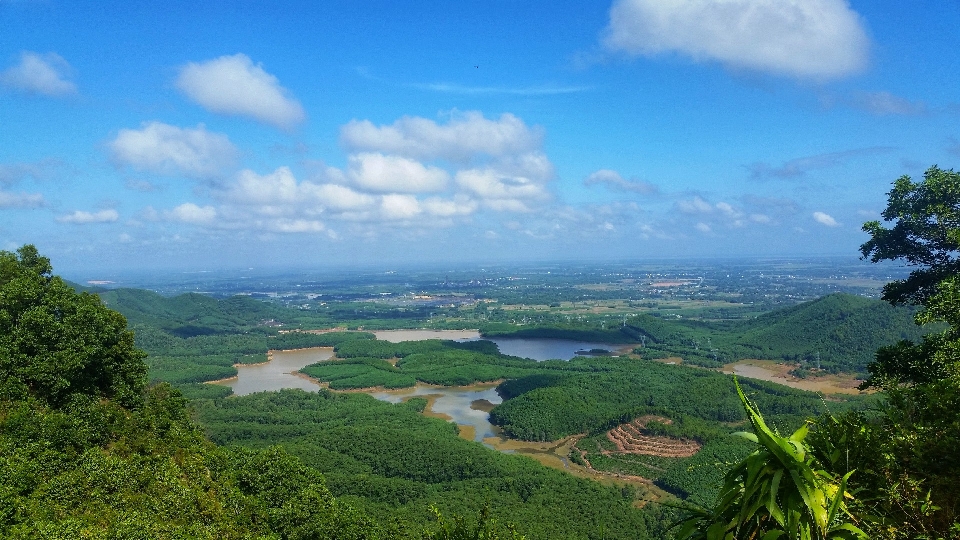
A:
(468, 407)
(535, 348)
(277, 373)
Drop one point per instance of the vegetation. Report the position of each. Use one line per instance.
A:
(395, 463)
(776, 491)
(835, 333)
(87, 450)
(897, 463)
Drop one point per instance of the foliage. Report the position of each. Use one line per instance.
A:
(56, 344)
(593, 395)
(926, 234)
(907, 479)
(777, 491)
(394, 463)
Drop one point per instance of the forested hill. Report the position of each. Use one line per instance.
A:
(193, 314)
(838, 332)
(845, 330)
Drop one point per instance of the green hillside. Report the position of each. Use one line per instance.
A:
(192, 314)
(844, 329)
(87, 450)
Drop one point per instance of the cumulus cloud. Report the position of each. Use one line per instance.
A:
(496, 161)
(193, 214)
(382, 173)
(466, 136)
(21, 200)
(502, 191)
(169, 150)
(234, 85)
(80, 217)
(816, 39)
(825, 219)
(295, 226)
(613, 180)
(414, 174)
(396, 206)
(799, 167)
(695, 205)
(721, 213)
(44, 74)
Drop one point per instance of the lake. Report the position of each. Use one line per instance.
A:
(466, 406)
(277, 373)
(534, 348)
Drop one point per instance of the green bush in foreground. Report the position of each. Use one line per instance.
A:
(777, 491)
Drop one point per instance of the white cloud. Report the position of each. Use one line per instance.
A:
(278, 187)
(703, 227)
(80, 217)
(193, 214)
(399, 206)
(20, 200)
(459, 206)
(388, 186)
(342, 198)
(825, 219)
(613, 180)
(234, 85)
(695, 205)
(39, 74)
(817, 39)
(295, 226)
(728, 210)
(393, 174)
(465, 136)
(502, 192)
(164, 149)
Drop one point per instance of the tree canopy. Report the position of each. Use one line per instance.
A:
(57, 344)
(925, 234)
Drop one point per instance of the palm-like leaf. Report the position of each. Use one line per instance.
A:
(775, 493)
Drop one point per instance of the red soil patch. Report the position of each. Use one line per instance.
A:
(630, 439)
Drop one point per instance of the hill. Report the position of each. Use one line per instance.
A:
(845, 331)
(842, 329)
(193, 314)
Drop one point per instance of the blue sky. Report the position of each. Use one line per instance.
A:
(138, 135)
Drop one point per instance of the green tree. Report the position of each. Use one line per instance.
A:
(56, 344)
(910, 477)
(925, 234)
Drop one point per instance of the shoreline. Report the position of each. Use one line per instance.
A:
(771, 371)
